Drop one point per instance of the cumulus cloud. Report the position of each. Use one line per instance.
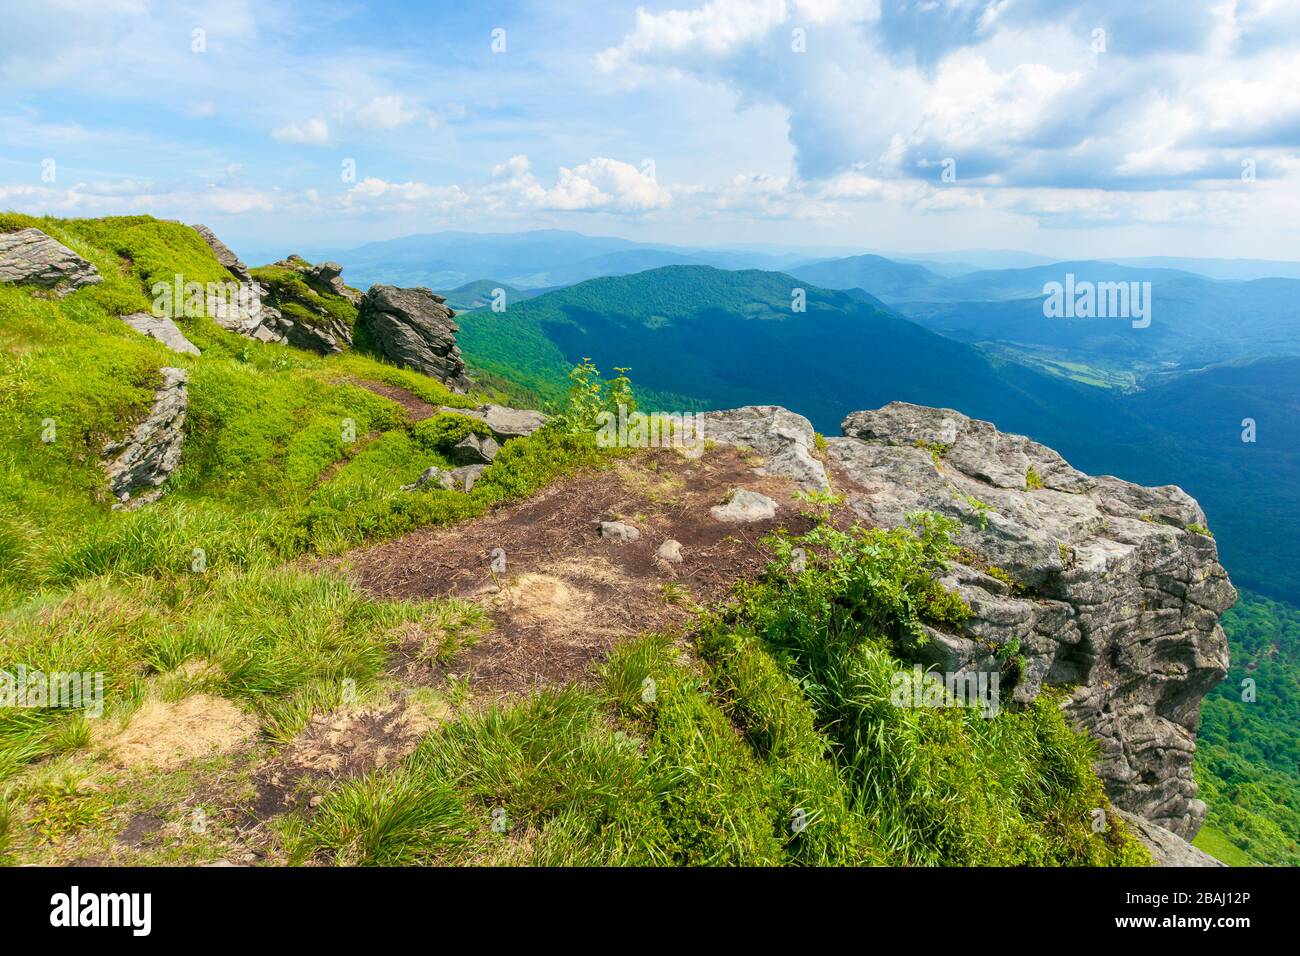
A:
(386, 112)
(310, 132)
(1029, 94)
(598, 185)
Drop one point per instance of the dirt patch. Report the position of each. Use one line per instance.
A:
(345, 743)
(168, 734)
(417, 409)
(566, 595)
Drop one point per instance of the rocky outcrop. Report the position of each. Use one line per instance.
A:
(1166, 849)
(224, 254)
(329, 275)
(1107, 587)
(784, 439)
(30, 257)
(413, 328)
(504, 422)
(162, 330)
(138, 465)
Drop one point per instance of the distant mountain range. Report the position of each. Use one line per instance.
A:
(527, 260)
(697, 337)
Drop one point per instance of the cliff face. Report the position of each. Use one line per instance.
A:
(1090, 583)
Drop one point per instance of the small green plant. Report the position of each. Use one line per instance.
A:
(1200, 529)
(1002, 575)
(936, 449)
(1033, 480)
(823, 503)
(819, 443)
(590, 396)
(982, 510)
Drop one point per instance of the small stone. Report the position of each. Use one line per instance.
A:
(618, 531)
(744, 506)
(465, 477)
(670, 551)
(432, 477)
(316, 801)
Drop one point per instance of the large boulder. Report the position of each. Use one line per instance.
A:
(1108, 587)
(30, 257)
(162, 330)
(138, 465)
(784, 439)
(414, 329)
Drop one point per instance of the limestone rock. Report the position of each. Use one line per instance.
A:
(1167, 849)
(413, 328)
(744, 506)
(784, 439)
(670, 551)
(30, 257)
(618, 531)
(138, 465)
(474, 450)
(1113, 595)
(162, 330)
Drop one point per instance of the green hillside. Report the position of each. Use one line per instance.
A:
(217, 605)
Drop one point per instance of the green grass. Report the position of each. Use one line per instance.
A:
(1221, 848)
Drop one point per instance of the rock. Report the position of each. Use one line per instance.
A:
(618, 531)
(330, 276)
(670, 551)
(162, 330)
(432, 477)
(784, 439)
(745, 506)
(244, 313)
(505, 422)
(30, 257)
(474, 450)
(414, 329)
(224, 255)
(1113, 595)
(141, 462)
(1167, 849)
(467, 476)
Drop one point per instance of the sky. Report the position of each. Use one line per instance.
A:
(1068, 128)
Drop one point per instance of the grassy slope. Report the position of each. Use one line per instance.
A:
(607, 775)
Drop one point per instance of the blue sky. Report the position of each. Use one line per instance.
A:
(1093, 127)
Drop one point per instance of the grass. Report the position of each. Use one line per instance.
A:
(1221, 848)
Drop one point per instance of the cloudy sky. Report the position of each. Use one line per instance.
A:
(1066, 127)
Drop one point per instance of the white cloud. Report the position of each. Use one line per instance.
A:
(386, 112)
(311, 132)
